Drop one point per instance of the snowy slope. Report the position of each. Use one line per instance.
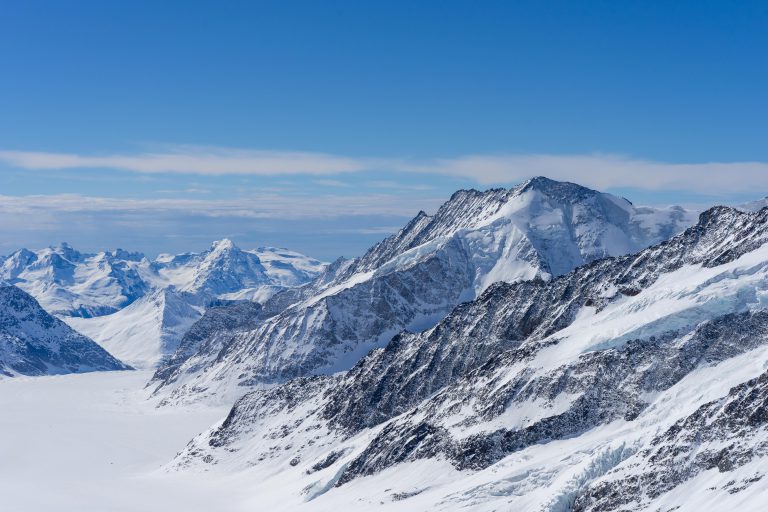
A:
(142, 333)
(140, 309)
(539, 229)
(632, 383)
(33, 342)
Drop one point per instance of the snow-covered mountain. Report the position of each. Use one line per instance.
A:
(227, 272)
(69, 283)
(139, 309)
(630, 383)
(150, 328)
(537, 230)
(754, 206)
(33, 342)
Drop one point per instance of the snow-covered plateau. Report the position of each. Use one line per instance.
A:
(91, 443)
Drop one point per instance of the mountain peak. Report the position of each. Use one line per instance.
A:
(22, 253)
(225, 244)
(126, 255)
(548, 185)
(66, 251)
(224, 248)
(721, 215)
(539, 181)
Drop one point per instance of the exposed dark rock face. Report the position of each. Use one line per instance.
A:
(33, 342)
(604, 386)
(514, 317)
(261, 404)
(211, 332)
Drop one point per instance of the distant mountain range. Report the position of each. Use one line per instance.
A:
(138, 309)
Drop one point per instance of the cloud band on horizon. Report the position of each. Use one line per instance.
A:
(600, 171)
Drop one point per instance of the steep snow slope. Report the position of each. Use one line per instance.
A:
(142, 333)
(528, 397)
(32, 342)
(538, 229)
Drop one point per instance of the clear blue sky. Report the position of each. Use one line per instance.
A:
(323, 125)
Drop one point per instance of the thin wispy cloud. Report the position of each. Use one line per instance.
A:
(193, 160)
(332, 183)
(379, 230)
(601, 171)
(191, 190)
(397, 185)
(262, 206)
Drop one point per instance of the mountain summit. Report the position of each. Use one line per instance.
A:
(537, 230)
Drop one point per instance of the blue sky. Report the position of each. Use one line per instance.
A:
(322, 126)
